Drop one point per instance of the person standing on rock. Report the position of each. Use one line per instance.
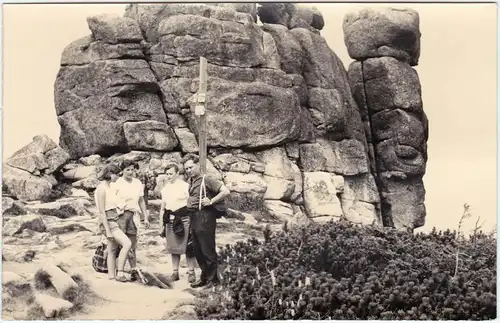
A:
(176, 221)
(106, 202)
(205, 204)
(130, 192)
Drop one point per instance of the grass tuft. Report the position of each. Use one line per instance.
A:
(42, 280)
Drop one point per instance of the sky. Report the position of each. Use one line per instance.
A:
(457, 71)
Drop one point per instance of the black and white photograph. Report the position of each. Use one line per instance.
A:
(249, 161)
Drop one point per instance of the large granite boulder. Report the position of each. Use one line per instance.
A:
(287, 124)
(94, 101)
(378, 32)
(291, 15)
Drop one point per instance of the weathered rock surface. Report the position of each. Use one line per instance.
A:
(245, 183)
(63, 208)
(387, 90)
(149, 17)
(12, 207)
(99, 92)
(80, 172)
(285, 212)
(85, 50)
(251, 114)
(114, 29)
(52, 306)
(305, 17)
(28, 173)
(224, 42)
(291, 15)
(403, 200)
(346, 157)
(149, 135)
(26, 186)
(320, 195)
(288, 48)
(286, 122)
(377, 32)
(12, 278)
(19, 223)
(187, 140)
(41, 156)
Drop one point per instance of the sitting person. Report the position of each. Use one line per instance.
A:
(106, 202)
(176, 221)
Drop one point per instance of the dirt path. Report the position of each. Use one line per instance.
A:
(120, 301)
(131, 301)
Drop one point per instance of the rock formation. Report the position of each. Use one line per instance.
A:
(284, 124)
(386, 43)
(29, 173)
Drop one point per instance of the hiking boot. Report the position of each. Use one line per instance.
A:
(175, 276)
(212, 285)
(199, 283)
(191, 277)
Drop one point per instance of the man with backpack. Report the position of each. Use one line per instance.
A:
(205, 205)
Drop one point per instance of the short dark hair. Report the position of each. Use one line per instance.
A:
(127, 163)
(192, 157)
(107, 171)
(172, 165)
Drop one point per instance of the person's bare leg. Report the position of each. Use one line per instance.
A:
(122, 239)
(132, 257)
(111, 259)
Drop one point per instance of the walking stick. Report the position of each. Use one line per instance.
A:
(200, 112)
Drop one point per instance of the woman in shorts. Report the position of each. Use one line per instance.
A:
(106, 201)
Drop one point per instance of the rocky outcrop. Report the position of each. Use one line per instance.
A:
(379, 32)
(18, 224)
(63, 208)
(291, 15)
(28, 173)
(286, 122)
(387, 90)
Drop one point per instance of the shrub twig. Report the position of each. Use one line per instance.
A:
(465, 215)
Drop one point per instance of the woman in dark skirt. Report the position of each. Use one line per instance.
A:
(176, 222)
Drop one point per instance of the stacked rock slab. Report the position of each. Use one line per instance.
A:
(386, 44)
(29, 173)
(283, 123)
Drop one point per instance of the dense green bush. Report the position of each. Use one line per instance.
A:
(342, 271)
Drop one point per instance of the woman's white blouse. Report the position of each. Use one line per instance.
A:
(175, 194)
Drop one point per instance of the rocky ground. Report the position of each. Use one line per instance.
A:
(72, 242)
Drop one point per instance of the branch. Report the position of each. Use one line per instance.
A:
(466, 214)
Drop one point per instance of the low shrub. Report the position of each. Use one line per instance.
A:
(340, 271)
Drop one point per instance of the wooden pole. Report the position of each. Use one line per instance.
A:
(200, 112)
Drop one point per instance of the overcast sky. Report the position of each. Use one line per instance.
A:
(457, 70)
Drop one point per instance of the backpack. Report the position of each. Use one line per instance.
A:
(100, 258)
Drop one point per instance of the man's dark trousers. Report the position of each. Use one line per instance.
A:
(203, 224)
